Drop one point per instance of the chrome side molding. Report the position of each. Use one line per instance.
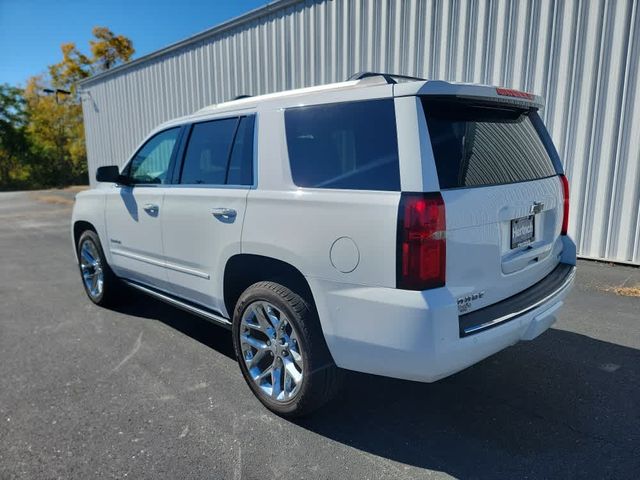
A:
(188, 307)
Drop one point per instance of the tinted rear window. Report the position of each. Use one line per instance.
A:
(205, 161)
(241, 162)
(210, 157)
(344, 145)
(478, 145)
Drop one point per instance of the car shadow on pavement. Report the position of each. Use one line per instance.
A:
(565, 405)
(204, 331)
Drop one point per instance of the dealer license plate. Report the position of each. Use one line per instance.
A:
(522, 231)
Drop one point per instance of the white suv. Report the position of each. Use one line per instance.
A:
(388, 225)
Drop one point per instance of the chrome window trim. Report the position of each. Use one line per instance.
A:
(179, 161)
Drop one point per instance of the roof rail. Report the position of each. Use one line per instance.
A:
(390, 78)
(239, 97)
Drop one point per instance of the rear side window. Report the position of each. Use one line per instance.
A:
(219, 152)
(205, 161)
(344, 145)
(241, 162)
(482, 144)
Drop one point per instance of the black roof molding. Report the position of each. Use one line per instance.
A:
(391, 78)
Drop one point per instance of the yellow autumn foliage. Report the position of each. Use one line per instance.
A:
(54, 129)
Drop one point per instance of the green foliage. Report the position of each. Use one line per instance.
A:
(56, 137)
(13, 142)
(41, 133)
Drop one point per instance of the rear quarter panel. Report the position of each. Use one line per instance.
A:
(301, 225)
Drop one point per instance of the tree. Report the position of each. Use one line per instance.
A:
(109, 49)
(55, 129)
(41, 134)
(13, 142)
(55, 135)
(74, 67)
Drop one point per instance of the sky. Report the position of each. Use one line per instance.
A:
(31, 31)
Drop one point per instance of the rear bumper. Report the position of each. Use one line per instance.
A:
(518, 305)
(417, 335)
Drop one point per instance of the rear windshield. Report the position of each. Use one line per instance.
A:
(482, 144)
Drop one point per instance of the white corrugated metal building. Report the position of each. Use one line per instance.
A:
(583, 56)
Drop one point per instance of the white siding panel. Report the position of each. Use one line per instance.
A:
(581, 55)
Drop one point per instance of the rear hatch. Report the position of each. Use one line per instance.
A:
(498, 176)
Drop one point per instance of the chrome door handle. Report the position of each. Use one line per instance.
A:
(224, 213)
(151, 208)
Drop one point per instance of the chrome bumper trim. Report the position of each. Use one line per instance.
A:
(567, 281)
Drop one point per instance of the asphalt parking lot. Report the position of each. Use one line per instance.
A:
(152, 392)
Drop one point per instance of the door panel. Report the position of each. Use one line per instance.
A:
(201, 231)
(204, 211)
(134, 233)
(133, 213)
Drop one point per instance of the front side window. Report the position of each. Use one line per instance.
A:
(344, 145)
(151, 164)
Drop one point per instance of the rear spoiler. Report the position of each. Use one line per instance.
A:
(502, 95)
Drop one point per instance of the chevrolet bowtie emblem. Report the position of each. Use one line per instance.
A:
(536, 207)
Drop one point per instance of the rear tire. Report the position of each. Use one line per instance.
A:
(100, 283)
(281, 350)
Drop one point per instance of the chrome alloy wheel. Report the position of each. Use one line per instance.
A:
(91, 268)
(271, 351)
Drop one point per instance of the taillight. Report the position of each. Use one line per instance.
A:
(565, 205)
(422, 244)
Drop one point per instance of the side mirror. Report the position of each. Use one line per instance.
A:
(109, 174)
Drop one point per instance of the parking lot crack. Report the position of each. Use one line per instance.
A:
(129, 355)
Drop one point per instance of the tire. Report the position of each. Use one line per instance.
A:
(108, 288)
(295, 343)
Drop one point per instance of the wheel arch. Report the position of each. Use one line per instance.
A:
(88, 214)
(244, 269)
(80, 226)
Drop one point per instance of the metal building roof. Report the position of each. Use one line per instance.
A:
(236, 22)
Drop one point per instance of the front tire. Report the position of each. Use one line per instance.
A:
(100, 283)
(281, 350)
